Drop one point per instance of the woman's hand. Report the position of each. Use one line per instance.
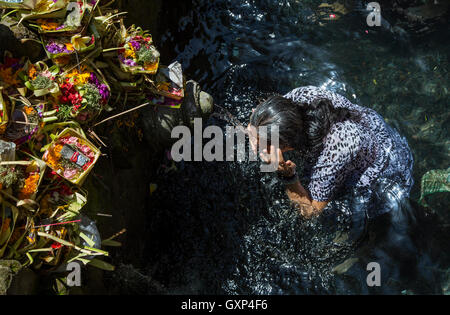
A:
(253, 138)
(296, 192)
(286, 168)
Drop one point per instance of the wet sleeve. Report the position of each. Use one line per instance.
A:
(336, 162)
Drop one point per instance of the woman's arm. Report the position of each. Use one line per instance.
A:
(295, 191)
(300, 197)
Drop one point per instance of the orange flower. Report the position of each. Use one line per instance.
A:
(28, 110)
(151, 67)
(30, 186)
(47, 26)
(53, 156)
(9, 77)
(70, 47)
(32, 72)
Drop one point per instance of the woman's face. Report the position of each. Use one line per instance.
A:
(254, 140)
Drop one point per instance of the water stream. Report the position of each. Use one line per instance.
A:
(225, 228)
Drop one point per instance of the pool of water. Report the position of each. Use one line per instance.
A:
(224, 228)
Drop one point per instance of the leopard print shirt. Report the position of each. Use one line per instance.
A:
(354, 153)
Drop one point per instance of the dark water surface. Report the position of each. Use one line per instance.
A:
(225, 228)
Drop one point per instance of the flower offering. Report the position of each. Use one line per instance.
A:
(71, 156)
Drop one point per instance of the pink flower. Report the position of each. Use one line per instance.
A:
(69, 140)
(69, 173)
(47, 74)
(87, 151)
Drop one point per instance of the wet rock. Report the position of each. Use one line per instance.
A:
(346, 265)
(17, 39)
(206, 103)
(416, 16)
(159, 121)
(8, 269)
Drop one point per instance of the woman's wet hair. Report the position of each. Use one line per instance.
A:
(301, 126)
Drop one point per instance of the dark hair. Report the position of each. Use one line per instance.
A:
(301, 126)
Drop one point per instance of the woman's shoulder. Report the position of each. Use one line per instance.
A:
(304, 94)
(309, 93)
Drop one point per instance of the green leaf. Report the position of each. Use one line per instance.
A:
(101, 264)
(96, 250)
(111, 243)
(75, 207)
(434, 181)
(89, 241)
(44, 148)
(30, 258)
(56, 239)
(60, 286)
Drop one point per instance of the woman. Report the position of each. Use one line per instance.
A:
(344, 146)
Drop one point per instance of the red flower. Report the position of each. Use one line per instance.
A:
(56, 245)
(69, 95)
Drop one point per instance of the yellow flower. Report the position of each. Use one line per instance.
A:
(79, 78)
(80, 42)
(130, 53)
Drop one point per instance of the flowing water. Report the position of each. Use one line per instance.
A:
(225, 228)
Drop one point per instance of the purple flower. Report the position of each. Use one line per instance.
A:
(136, 45)
(102, 88)
(94, 80)
(130, 62)
(104, 92)
(55, 48)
